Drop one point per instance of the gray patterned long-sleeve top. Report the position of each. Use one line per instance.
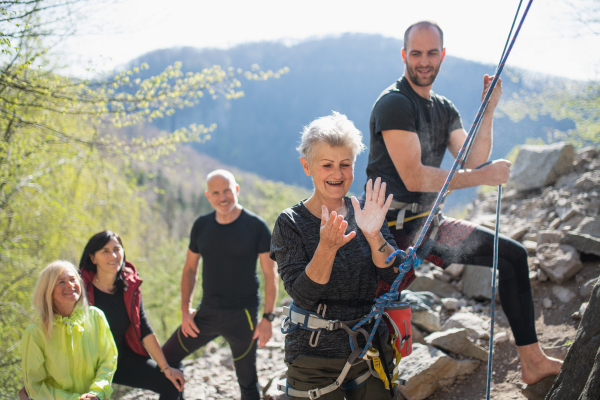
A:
(354, 277)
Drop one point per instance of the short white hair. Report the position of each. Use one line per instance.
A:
(336, 130)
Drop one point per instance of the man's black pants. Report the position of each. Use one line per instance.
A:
(237, 327)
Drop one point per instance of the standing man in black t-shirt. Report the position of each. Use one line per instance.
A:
(411, 127)
(229, 239)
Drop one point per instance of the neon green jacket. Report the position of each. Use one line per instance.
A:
(80, 357)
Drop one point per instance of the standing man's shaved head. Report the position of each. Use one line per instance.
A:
(222, 192)
(222, 173)
(422, 25)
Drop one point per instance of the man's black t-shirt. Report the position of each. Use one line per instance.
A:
(229, 253)
(400, 107)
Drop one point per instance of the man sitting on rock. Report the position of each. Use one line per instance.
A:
(411, 127)
(230, 239)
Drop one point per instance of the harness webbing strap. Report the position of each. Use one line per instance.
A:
(316, 393)
(426, 213)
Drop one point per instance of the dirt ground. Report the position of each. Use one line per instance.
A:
(554, 326)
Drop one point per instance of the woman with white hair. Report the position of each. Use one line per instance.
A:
(331, 252)
(68, 352)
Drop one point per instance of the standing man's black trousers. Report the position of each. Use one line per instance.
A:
(237, 327)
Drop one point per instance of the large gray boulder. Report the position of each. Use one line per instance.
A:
(427, 283)
(457, 341)
(586, 238)
(477, 282)
(472, 323)
(539, 166)
(579, 378)
(426, 320)
(560, 261)
(429, 369)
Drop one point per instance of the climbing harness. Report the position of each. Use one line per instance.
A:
(382, 309)
(296, 317)
(397, 316)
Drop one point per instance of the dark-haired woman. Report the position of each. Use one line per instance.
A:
(113, 285)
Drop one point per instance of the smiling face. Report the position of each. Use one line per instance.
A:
(66, 292)
(331, 169)
(222, 194)
(109, 258)
(423, 55)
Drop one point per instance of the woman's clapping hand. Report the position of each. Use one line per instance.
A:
(333, 230)
(371, 217)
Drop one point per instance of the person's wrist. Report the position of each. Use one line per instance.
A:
(269, 316)
(326, 249)
(165, 369)
(374, 238)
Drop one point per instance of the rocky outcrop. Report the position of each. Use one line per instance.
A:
(586, 237)
(456, 341)
(540, 166)
(580, 376)
(429, 369)
(472, 323)
(477, 282)
(560, 261)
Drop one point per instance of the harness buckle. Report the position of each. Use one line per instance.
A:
(314, 394)
(414, 207)
(333, 324)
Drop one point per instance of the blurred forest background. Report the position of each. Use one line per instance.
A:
(129, 151)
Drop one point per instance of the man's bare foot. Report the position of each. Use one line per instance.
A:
(535, 365)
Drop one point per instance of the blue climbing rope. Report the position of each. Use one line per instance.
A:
(410, 257)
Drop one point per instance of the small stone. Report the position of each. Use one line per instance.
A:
(530, 246)
(501, 337)
(542, 276)
(455, 270)
(547, 303)
(579, 278)
(548, 236)
(563, 294)
(533, 275)
(211, 348)
(450, 303)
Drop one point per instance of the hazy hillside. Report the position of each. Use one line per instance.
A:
(259, 132)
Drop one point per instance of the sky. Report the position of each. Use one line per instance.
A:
(551, 40)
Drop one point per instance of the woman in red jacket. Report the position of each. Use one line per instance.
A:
(113, 285)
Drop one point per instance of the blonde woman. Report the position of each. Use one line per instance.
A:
(68, 352)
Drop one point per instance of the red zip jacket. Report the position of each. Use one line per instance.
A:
(133, 296)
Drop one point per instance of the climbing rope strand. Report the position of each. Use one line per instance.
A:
(410, 256)
(500, 62)
(494, 271)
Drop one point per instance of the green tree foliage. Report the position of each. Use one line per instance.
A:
(577, 101)
(65, 170)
